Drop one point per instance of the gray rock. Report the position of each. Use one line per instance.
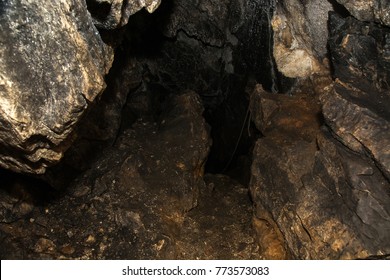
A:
(53, 63)
(300, 36)
(369, 10)
(204, 20)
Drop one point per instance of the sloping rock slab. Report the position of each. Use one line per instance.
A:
(358, 127)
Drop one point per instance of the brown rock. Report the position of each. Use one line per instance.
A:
(328, 202)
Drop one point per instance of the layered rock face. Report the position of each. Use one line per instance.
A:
(357, 111)
(322, 167)
(53, 63)
(327, 201)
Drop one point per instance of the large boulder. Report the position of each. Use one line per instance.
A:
(327, 201)
(53, 64)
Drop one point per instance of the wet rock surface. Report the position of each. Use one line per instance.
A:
(45, 87)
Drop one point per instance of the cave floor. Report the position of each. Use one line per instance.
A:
(146, 197)
(220, 227)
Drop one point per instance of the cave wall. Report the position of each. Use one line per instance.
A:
(321, 168)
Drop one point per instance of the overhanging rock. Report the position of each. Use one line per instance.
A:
(52, 66)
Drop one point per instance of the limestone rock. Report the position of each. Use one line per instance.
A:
(360, 55)
(300, 36)
(112, 14)
(357, 110)
(369, 10)
(327, 201)
(53, 63)
(358, 127)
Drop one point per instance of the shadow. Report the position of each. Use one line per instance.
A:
(144, 37)
(339, 9)
(27, 188)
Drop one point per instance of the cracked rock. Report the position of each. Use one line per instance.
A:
(53, 63)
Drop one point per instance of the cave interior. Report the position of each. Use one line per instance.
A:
(227, 130)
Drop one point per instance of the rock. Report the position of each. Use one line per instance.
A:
(369, 10)
(132, 202)
(357, 109)
(53, 63)
(44, 245)
(358, 127)
(102, 123)
(300, 36)
(205, 21)
(276, 114)
(220, 226)
(327, 201)
(360, 55)
(112, 14)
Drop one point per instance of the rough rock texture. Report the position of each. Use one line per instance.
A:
(220, 227)
(112, 14)
(53, 63)
(327, 201)
(129, 205)
(360, 55)
(357, 111)
(369, 10)
(210, 47)
(104, 121)
(326, 191)
(300, 36)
